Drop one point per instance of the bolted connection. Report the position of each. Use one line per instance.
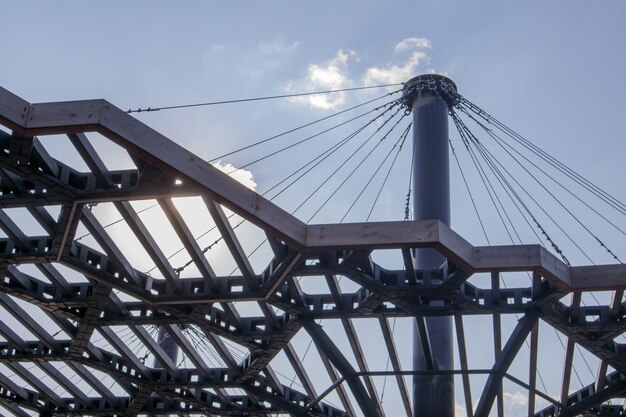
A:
(428, 85)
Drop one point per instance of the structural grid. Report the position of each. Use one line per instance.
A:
(140, 279)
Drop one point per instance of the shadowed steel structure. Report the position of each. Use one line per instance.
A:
(93, 291)
(428, 97)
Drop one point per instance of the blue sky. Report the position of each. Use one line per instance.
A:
(552, 70)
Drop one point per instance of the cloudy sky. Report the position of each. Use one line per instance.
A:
(553, 70)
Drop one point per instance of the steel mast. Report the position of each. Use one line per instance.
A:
(429, 97)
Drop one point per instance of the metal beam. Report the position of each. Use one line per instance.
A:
(149, 244)
(90, 379)
(497, 335)
(532, 369)
(300, 371)
(64, 382)
(395, 364)
(32, 178)
(594, 399)
(30, 325)
(77, 116)
(494, 381)
(359, 355)
(189, 242)
(460, 337)
(326, 345)
(337, 381)
(36, 383)
(228, 234)
(103, 239)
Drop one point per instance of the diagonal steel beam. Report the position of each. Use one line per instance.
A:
(14, 233)
(91, 158)
(9, 384)
(569, 350)
(15, 410)
(395, 363)
(197, 255)
(594, 399)
(36, 383)
(189, 241)
(91, 379)
(181, 340)
(355, 344)
(160, 355)
(425, 342)
(326, 345)
(55, 277)
(149, 244)
(45, 220)
(12, 337)
(43, 159)
(336, 381)
(231, 240)
(24, 318)
(63, 381)
(300, 371)
(192, 353)
(123, 349)
(362, 363)
(494, 381)
(110, 248)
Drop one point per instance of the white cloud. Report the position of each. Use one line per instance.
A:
(242, 175)
(459, 410)
(412, 43)
(515, 399)
(515, 403)
(395, 73)
(331, 75)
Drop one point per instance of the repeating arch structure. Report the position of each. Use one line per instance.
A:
(112, 292)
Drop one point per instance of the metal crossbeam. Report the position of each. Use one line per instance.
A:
(107, 307)
(503, 361)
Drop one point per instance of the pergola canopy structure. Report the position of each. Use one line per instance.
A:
(113, 292)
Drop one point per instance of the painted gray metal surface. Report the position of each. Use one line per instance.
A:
(432, 395)
(171, 350)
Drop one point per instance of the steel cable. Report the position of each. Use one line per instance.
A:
(252, 99)
(553, 197)
(300, 127)
(369, 181)
(600, 193)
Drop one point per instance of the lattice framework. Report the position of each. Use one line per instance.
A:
(114, 291)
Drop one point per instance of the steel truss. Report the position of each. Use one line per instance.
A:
(114, 292)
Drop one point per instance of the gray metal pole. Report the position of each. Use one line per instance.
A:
(428, 96)
(169, 346)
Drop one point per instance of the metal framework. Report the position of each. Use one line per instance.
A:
(113, 292)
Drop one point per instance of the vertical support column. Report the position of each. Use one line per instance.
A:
(429, 96)
(169, 346)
